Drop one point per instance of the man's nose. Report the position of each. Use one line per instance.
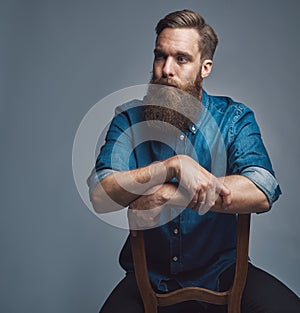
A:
(168, 68)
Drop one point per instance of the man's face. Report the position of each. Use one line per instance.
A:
(177, 63)
(177, 59)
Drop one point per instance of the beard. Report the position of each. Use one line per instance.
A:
(175, 105)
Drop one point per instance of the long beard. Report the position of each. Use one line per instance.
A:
(174, 105)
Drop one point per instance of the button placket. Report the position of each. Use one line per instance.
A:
(181, 143)
(175, 241)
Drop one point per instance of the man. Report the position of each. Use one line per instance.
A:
(203, 162)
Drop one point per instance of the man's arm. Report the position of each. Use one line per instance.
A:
(246, 197)
(120, 189)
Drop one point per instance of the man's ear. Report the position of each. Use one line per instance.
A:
(206, 68)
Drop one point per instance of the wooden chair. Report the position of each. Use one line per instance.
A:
(232, 297)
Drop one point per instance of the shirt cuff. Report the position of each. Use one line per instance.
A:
(96, 177)
(265, 181)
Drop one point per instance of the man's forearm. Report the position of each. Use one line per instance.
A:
(119, 189)
(246, 197)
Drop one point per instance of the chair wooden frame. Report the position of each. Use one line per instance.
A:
(232, 297)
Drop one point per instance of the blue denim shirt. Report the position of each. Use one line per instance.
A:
(191, 249)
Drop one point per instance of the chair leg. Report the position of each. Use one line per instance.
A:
(234, 306)
(150, 307)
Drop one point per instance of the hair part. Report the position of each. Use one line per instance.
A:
(190, 19)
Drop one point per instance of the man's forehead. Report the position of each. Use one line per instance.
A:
(184, 39)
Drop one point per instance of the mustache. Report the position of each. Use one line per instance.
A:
(165, 81)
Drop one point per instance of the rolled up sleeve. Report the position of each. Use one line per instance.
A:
(265, 181)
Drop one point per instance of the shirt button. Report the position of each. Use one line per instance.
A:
(181, 137)
(176, 231)
(175, 258)
(193, 128)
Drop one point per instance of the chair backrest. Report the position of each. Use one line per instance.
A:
(232, 297)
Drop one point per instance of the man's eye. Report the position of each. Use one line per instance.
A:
(182, 59)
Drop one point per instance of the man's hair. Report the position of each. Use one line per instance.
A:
(190, 19)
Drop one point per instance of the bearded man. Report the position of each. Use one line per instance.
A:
(185, 163)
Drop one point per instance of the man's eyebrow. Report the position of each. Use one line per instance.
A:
(178, 53)
(184, 54)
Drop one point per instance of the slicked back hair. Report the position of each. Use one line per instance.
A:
(190, 19)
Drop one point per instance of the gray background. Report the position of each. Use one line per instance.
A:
(58, 58)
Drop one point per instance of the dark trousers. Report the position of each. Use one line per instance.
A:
(263, 294)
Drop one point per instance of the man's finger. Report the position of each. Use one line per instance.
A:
(224, 191)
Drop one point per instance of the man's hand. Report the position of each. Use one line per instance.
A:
(145, 211)
(143, 219)
(202, 187)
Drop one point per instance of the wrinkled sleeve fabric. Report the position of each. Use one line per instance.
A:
(247, 154)
(265, 181)
(115, 154)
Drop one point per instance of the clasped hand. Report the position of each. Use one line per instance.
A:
(203, 188)
(198, 190)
